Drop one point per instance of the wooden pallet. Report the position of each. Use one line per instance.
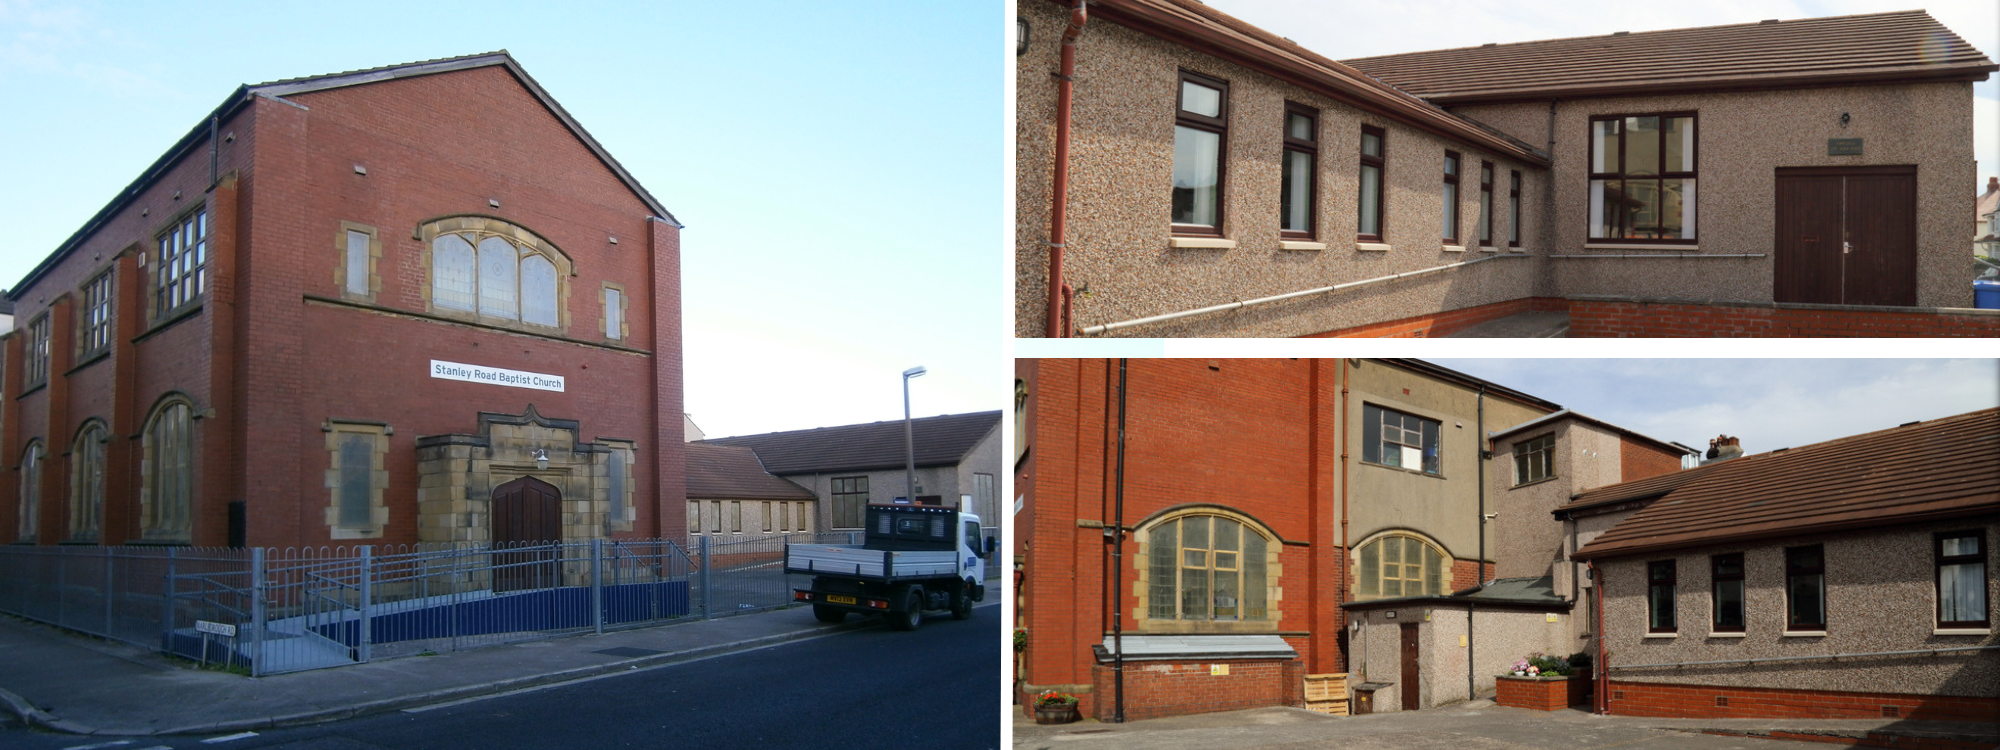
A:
(1327, 693)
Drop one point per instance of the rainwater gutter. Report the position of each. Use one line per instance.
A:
(1108, 327)
(1059, 291)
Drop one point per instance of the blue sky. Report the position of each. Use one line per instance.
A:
(1769, 403)
(837, 165)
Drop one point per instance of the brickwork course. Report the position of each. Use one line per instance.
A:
(277, 350)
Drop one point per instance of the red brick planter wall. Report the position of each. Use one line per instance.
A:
(1170, 688)
(1441, 323)
(1590, 318)
(1542, 693)
(1715, 702)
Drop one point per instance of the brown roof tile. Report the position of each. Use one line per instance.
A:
(938, 441)
(1637, 489)
(1884, 47)
(1943, 468)
(721, 472)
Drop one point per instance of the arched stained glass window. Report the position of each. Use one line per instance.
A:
(31, 489)
(86, 486)
(501, 272)
(167, 495)
(1206, 567)
(538, 291)
(454, 277)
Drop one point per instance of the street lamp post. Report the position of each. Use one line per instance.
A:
(909, 447)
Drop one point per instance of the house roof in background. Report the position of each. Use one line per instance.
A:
(1943, 468)
(1872, 48)
(1637, 489)
(938, 441)
(1580, 416)
(723, 472)
(1988, 202)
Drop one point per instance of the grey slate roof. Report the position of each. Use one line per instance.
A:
(939, 441)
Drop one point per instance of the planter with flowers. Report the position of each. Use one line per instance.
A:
(1052, 707)
(1545, 683)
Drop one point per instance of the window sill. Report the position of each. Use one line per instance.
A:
(1549, 478)
(1300, 245)
(1663, 635)
(169, 320)
(1804, 634)
(1202, 243)
(1454, 248)
(1629, 246)
(1517, 249)
(31, 388)
(1728, 635)
(1962, 631)
(1488, 249)
(89, 359)
(1373, 247)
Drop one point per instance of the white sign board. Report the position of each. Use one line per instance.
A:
(216, 628)
(495, 376)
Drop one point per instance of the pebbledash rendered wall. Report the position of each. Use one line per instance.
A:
(1121, 178)
(1880, 596)
(1742, 138)
(1504, 635)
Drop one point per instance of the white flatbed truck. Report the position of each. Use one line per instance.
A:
(916, 558)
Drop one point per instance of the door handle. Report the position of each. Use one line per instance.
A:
(1846, 247)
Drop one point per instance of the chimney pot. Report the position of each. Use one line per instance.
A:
(1992, 184)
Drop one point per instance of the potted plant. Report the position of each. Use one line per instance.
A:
(1052, 707)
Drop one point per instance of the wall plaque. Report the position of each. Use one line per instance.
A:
(1843, 147)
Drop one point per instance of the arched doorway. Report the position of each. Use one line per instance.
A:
(526, 512)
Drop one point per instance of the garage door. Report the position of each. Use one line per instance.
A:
(1847, 235)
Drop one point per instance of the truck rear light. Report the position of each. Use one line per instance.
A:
(801, 596)
(878, 604)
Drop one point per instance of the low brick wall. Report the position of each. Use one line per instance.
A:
(1612, 317)
(1542, 693)
(1442, 323)
(1715, 702)
(1154, 689)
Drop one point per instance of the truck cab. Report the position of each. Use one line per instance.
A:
(915, 558)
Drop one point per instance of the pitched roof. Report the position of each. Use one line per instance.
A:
(1197, 26)
(1571, 413)
(938, 441)
(722, 472)
(1637, 489)
(1987, 203)
(290, 86)
(1944, 468)
(1871, 48)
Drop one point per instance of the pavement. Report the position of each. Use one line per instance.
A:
(1475, 725)
(1528, 325)
(58, 680)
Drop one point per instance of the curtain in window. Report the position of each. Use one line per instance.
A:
(538, 291)
(453, 274)
(498, 264)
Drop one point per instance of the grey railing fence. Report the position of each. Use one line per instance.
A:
(307, 608)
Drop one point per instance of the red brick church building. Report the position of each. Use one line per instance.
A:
(411, 303)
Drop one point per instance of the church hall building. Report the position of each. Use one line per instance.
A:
(416, 303)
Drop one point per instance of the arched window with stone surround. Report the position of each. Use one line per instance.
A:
(166, 497)
(31, 489)
(86, 483)
(1207, 565)
(497, 272)
(1399, 564)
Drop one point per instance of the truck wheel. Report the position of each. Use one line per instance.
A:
(825, 613)
(911, 612)
(961, 604)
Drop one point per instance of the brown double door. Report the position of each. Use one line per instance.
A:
(527, 519)
(1847, 235)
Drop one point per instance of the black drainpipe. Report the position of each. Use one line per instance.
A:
(1116, 536)
(213, 158)
(1471, 609)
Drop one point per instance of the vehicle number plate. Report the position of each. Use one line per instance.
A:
(837, 599)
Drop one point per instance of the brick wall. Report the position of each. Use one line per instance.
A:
(1172, 688)
(1637, 460)
(1589, 318)
(1442, 323)
(1714, 702)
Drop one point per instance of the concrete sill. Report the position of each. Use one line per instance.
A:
(1663, 635)
(1300, 245)
(1962, 631)
(1804, 634)
(1629, 246)
(1454, 248)
(1206, 243)
(1488, 249)
(1727, 635)
(1517, 249)
(1373, 247)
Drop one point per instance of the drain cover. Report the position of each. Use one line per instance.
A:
(628, 651)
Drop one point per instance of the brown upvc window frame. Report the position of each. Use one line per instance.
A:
(1661, 574)
(1453, 165)
(1716, 578)
(1978, 557)
(1514, 208)
(1485, 203)
(1792, 571)
(1381, 164)
(1310, 148)
(1219, 125)
(1590, 159)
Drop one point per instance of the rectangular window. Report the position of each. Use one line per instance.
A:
(356, 478)
(735, 516)
(1513, 208)
(1297, 191)
(618, 487)
(614, 313)
(1534, 460)
(1660, 596)
(1805, 588)
(1201, 127)
(37, 360)
(983, 496)
(1392, 438)
(357, 472)
(95, 335)
(1374, 159)
(1727, 582)
(357, 263)
(850, 502)
(182, 268)
(715, 517)
(1642, 178)
(1450, 197)
(1486, 204)
(1961, 580)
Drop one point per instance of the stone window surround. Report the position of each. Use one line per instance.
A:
(1446, 561)
(1274, 570)
(378, 509)
(149, 473)
(624, 313)
(374, 262)
(624, 450)
(522, 237)
(87, 521)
